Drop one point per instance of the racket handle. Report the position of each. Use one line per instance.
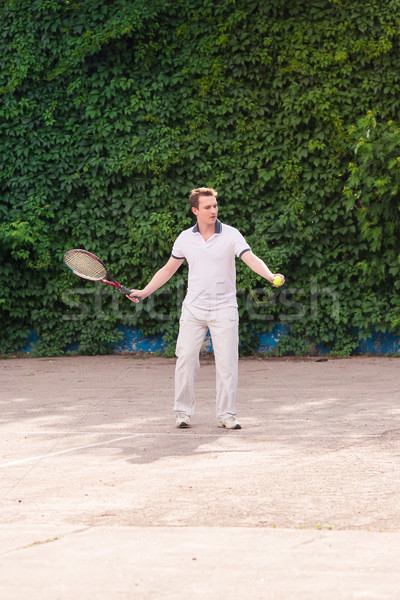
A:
(127, 292)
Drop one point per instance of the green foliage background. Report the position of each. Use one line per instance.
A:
(110, 112)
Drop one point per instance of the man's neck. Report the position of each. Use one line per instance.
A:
(205, 230)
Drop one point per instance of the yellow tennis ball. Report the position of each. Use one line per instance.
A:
(277, 281)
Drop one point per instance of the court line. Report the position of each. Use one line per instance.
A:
(99, 399)
(41, 457)
(68, 450)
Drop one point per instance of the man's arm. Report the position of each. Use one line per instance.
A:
(259, 267)
(159, 279)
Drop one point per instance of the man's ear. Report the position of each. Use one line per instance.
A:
(194, 210)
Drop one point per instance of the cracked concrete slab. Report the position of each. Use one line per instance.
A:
(101, 496)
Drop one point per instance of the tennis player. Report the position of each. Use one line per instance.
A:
(210, 248)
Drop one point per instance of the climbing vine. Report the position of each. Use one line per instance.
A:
(110, 112)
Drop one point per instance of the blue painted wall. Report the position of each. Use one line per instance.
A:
(134, 341)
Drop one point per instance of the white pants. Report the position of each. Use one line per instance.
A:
(223, 326)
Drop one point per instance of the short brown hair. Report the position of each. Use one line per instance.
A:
(196, 193)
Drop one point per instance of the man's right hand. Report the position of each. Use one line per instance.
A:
(135, 296)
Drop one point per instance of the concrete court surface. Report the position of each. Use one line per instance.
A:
(102, 497)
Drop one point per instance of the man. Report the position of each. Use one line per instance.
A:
(210, 248)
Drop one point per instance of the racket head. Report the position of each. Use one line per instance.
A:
(85, 264)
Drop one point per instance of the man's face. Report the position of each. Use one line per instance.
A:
(207, 211)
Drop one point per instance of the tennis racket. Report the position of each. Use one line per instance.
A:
(88, 266)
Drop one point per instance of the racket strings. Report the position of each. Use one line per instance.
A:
(85, 265)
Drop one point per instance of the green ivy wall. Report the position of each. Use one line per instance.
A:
(110, 112)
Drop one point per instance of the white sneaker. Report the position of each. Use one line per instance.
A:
(230, 423)
(182, 420)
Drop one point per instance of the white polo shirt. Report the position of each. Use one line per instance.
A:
(212, 272)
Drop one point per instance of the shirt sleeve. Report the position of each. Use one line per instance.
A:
(177, 251)
(240, 245)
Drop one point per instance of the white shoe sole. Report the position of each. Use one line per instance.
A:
(237, 426)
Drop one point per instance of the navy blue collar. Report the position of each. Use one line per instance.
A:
(218, 227)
